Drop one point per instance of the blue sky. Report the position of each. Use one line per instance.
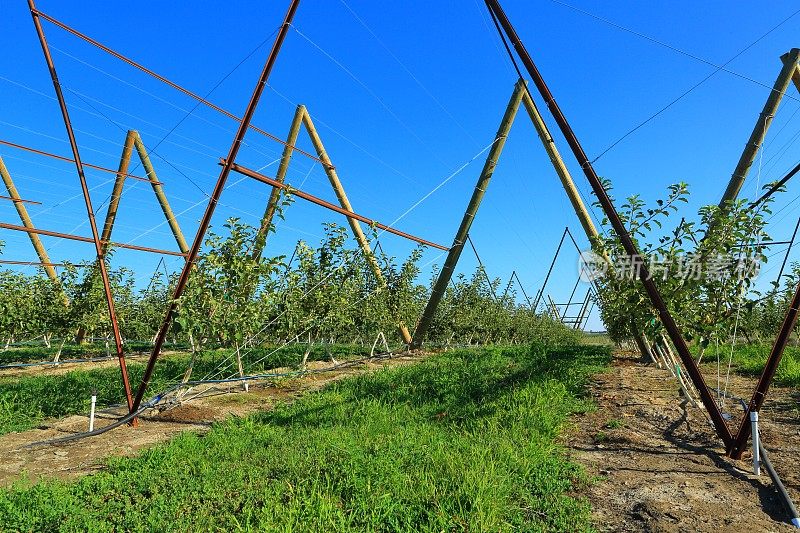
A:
(403, 94)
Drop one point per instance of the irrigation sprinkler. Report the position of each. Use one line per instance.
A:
(87, 200)
(788, 71)
(505, 28)
(230, 160)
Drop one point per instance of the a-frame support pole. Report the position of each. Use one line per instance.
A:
(355, 225)
(789, 71)
(619, 228)
(244, 124)
(280, 176)
(561, 169)
(466, 222)
(87, 200)
(116, 191)
(739, 444)
(134, 140)
(540, 294)
(144, 157)
(27, 222)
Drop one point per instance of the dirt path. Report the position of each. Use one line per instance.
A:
(661, 465)
(81, 457)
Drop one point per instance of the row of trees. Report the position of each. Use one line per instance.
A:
(234, 297)
(705, 270)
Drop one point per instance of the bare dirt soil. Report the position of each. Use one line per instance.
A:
(217, 403)
(659, 466)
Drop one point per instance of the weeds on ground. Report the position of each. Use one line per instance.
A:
(463, 441)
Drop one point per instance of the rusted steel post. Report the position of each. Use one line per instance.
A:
(561, 169)
(355, 226)
(327, 205)
(162, 79)
(762, 125)
(116, 191)
(67, 159)
(739, 443)
(280, 176)
(608, 207)
(469, 215)
(212, 203)
(159, 192)
(778, 184)
(80, 238)
(87, 200)
(550, 270)
(27, 222)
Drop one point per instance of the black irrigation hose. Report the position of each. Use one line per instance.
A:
(124, 420)
(773, 474)
(152, 403)
(787, 500)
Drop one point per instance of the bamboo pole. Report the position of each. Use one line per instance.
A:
(469, 215)
(159, 192)
(116, 192)
(280, 176)
(756, 139)
(355, 226)
(28, 223)
(561, 169)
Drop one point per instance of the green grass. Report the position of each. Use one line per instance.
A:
(749, 360)
(464, 441)
(27, 401)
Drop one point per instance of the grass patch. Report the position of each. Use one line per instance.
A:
(750, 359)
(463, 441)
(27, 401)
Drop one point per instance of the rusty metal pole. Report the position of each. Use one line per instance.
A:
(355, 226)
(280, 176)
(327, 205)
(739, 443)
(144, 157)
(27, 222)
(789, 70)
(608, 207)
(87, 200)
(469, 215)
(212, 203)
(116, 192)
